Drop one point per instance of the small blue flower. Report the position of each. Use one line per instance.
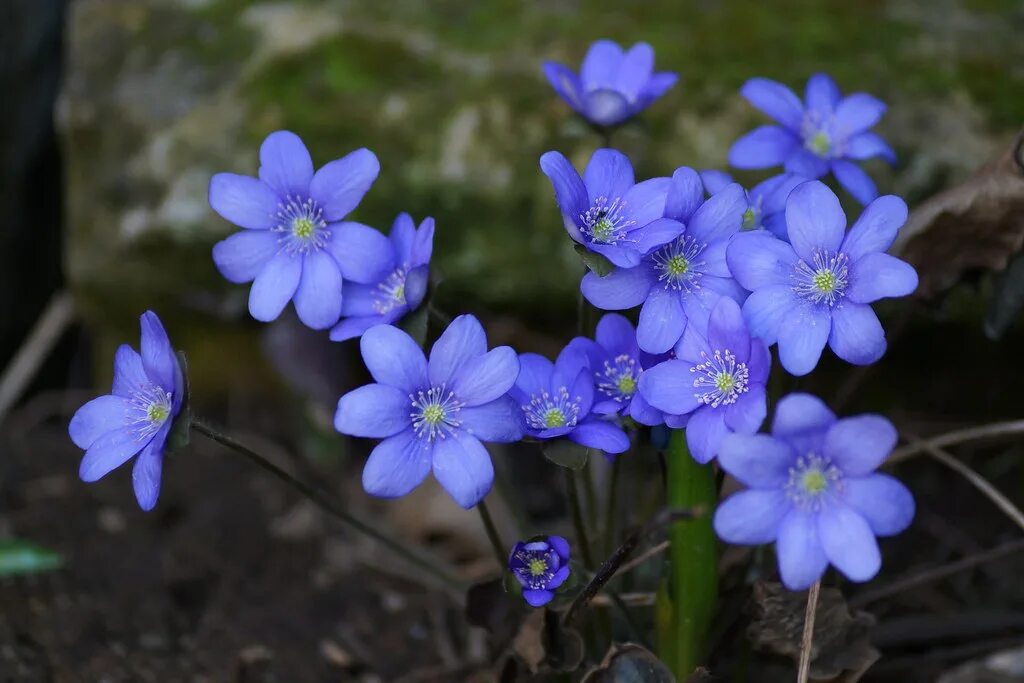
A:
(400, 291)
(136, 417)
(612, 85)
(540, 567)
(766, 201)
(678, 283)
(825, 132)
(295, 245)
(817, 289)
(432, 415)
(556, 400)
(716, 384)
(814, 491)
(606, 211)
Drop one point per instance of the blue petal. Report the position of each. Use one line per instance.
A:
(806, 164)
(423, 244)
(96, 418)
(766, 309)
(857, 337)
(129, 373)
(605, 436)
(715, 181)
(374, 411)
(801, 414)
(858, 112)
(397, 465)
(645, 201)
(534, 374)
(815, 220)
(350, 328)
(402, 236)
(775, 100)
(416, 283)
(318, 297)
(393, 358)
(339, 186)
(463, 467)
(360, 299)
(621, 289)
(749, 410)
(274, 287)
(616, 335)
(685, 194)
(661, 321)
(559, 578)
(499, 420)
(757, 460)
(882, 501)
(570, 192)
(751, 517)
(148, 469)
(775, 223)
(622, 256)
(538, 598)
(727, 331)
(869, 145)
(848, 543)
(656, 87)
(877, 276)
(760, 362)
(774, 192)
(802, 560)
(110, 451)
(758, 259)
(463, 340)
(607, 107)
(693, 345)
(668, 386)
(876, 228)
(635, 70)
(363, 254)
(157, 355)
(482, 379)
(242, 256)
(762, 147)
(565, 83)
(822, 94)
(802, 337)
(854, 180)
(720, 216)
(644, 413)
(247, 202)
(601, 65)
(609, 175)
(858, 445)
(704, 433)
(285, 164)
(655, 234)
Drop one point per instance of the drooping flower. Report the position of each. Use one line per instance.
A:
(556, 400)
(612, 85)
(818, 288)
(400, 291)
(716, 382)
(678, 283)
(814, 491)
(295, 245)
(432, 415)
(540, 567)
(766, 201)
(137, 415)
(606, 211)
(826, 132)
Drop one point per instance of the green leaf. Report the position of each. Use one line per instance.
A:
(565, 453)
(597, 263)
(21, 557)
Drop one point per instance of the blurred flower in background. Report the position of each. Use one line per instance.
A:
(540, 566)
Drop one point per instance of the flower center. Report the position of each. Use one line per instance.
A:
(547, 411)
(720, 379)
(677, 265)
(535, 568)
(824, 280)
(606, 222)
(820, 143)
(619, 378)
(301, 224)
(811, 479)
(149, 409)
(390, 293)
(749, 219)
(435, 413)
(538, 566)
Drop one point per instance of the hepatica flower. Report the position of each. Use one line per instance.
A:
(400, 291)
(716, 382)
(813, 490)
(679, 282)
(432, 414)
(612, 85)
(295, 245)
(136, 417)
(766, 201)
(556, 400)
(818, 289)
(606, 211)
(825, 132)
(540, 567)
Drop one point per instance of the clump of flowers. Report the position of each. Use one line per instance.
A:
(540, 566)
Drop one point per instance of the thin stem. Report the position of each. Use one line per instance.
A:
(500, 550)
(808, 637)
(577, 519)
(325, 503)
(958, 436)
(589, 495)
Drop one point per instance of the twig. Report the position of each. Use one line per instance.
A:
(808, 638)
(958, 436)
(644, 556)
(500, 551)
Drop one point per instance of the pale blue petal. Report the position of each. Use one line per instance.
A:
(621, 289)
(275, 286)
(363, 254)
(570, 192)
(685, 194)
(749, 410)
(757, 460)
(848, 542)
(775, 100)
(110, 451)
(727, 331)
(802, 337)
(601, 65)
(856, 336)
(242, 256)
(800, 414)
(720, 216)
(484, 378)
(96, 418)
(876, 228)
(350, 328)
(854, 180)
(463, 467)
(661, 321)
(339, 186)
(318, 297)
(397, 465)
(285, 164)
(877, 276)
(129, 373)
(373, 411)
(858, 112)
(822, 93)
(394, 358)
(858, 445)
(463, 340)
(815, 220)
(758, 259)
(565, 83)
(869, 145)
(806, 164)
(766, 309)
(802, 559)
(157, 355)
(882, 501)
(751, 517)
(645, 201)
(499, 420)
(148, 470)
(608, 176)
(705, 432)
(668, 386)
(763, 147)
(635, 70)
(604, 436)
(247, 202)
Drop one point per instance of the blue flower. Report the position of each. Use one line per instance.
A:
(540, 567)
(400, 291)
(612, 86)
(432, 415)
(294, 246)
(678, 283)
(766, 201)
(606, 211)
(617, 362)
(716, 383)
(136, 417)
(813, 490)
(818, 288)
(556, 400)
(825, 132)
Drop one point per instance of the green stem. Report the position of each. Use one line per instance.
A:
(500, 550)
(577, 519)
(326, 503)
(687, 603)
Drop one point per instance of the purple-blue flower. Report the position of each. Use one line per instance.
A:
(612, 85)
(766, 201)
(677, 283)
(716, 384)
(432, 415)
(295, 245)
(606, 211)
(813, 490)
(826, 132)
(137, 415)
(540, 566)
(400, 291)
(817, 288)
(556, 400)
